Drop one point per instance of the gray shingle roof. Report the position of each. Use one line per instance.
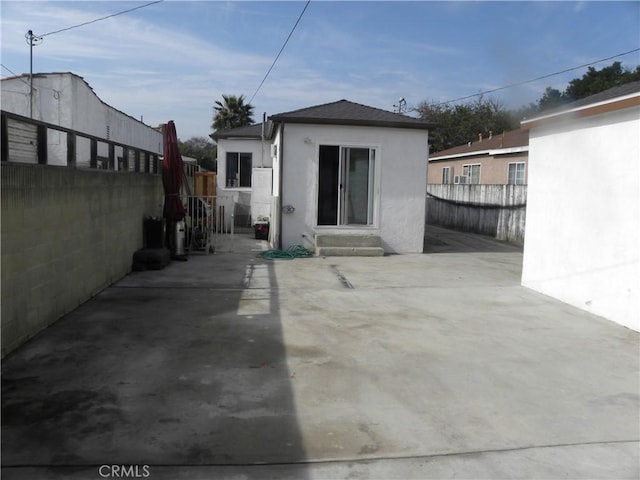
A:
(248, 131)
(506, 140)
(619, 91)
(344, 112)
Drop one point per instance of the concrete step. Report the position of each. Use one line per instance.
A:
(349, 251)
(334, 240)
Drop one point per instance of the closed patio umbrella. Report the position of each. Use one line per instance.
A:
(172, 176)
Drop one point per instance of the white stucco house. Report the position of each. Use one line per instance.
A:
(244, 180)
(66, 99)
(345, 178)
(582, 244)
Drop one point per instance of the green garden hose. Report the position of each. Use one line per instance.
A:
(294, 251)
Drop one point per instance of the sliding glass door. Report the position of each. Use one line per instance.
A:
(345, 185)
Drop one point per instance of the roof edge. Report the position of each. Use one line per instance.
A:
(604, 106)
(476, 153)
(355, 123)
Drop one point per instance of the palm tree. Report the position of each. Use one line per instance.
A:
(232, 113)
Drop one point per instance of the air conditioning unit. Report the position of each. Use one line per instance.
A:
(461, 179)
(274, 150)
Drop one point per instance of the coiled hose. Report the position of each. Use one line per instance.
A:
(294, 251)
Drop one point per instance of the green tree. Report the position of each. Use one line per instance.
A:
(203, 150)
(232, 112)
(596, 81)
(463, 123)
(551, 98)
(592, 82)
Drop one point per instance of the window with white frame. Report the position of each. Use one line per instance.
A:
(446, 175)
(472, 172)
(516, 173)
(238, 169)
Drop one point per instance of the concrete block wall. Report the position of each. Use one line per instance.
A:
(66, 235)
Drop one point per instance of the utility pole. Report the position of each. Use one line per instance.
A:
(32, 40)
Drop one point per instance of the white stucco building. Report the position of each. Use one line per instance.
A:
(67, 100)
(244, 180)
(346, 178)
(582, 243)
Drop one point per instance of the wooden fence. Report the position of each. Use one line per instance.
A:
(495, 210)
(26, 140)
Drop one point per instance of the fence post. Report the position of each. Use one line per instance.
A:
(42, 144)
(93, 161)
(71, 150)
(5, 139)
(112, 156)
(136, 160)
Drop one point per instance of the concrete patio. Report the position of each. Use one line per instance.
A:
(230, 366)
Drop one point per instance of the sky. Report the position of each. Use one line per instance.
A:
(174, 59)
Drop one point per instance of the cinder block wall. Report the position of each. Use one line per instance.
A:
(66, 235)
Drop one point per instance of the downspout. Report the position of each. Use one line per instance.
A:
(280, 183)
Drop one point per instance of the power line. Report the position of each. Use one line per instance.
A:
(101, 18)
(9, 70)
(278, 56)
(537, 78)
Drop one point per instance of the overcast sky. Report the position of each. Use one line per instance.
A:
(172, 60)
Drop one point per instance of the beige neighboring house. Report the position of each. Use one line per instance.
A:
(497, 160)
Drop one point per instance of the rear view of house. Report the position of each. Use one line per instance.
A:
(344, 178)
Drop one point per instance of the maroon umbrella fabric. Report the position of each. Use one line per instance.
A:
(172, 175)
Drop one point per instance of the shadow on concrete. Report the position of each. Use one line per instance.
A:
(438, 239)
(184, 367)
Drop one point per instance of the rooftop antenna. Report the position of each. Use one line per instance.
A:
(402, 105)
(32, 40)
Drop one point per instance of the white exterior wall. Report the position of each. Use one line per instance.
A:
(400, 183)
(582, 239)
(260, 158)
(261, 198)
(66, 100)
(276, 210)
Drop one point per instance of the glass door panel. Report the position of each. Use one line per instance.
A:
(356, 167)
(328, 183)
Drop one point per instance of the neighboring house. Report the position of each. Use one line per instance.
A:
(67, 100)
(583, 206)
(497, 160)
(346, 178)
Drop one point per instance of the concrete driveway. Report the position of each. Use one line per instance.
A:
(406, 366)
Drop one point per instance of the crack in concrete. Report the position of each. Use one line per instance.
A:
(345, 283)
